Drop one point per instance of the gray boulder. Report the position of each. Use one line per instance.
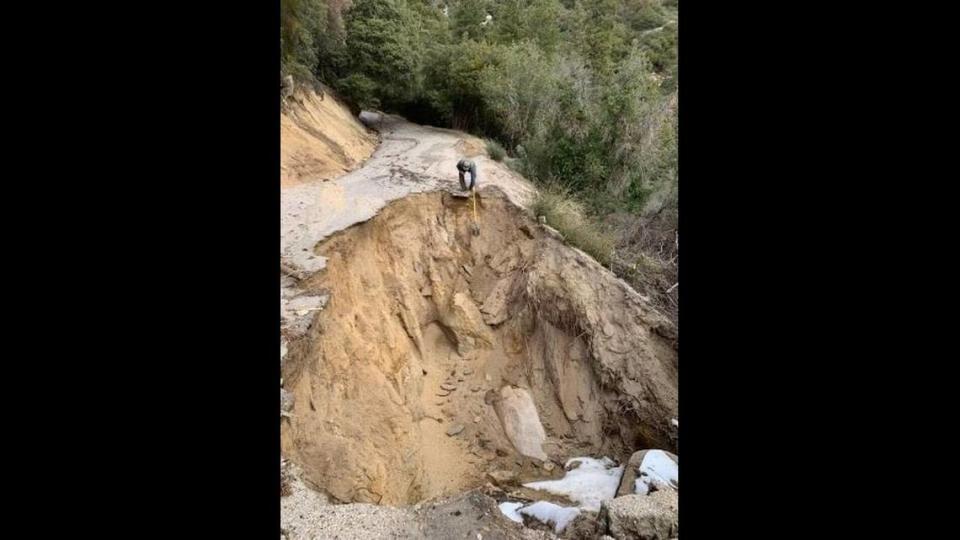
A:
(641, 517)
(628, 480)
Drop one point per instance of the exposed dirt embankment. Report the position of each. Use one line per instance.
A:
(411, 382)
(319, 138)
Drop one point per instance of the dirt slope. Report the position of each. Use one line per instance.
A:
(426, 324)
(320, 139)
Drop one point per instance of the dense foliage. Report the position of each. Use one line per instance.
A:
(582, 94)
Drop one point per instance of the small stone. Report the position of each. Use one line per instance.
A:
(454, 429)
(475, 389)
(549, 466)
(459, 379)
(286, 401)
(443, 393)
(487, 377)
(476, 419)
(502, 478)
(468, 371)
(448, 386)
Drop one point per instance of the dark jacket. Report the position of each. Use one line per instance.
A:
(464, 166)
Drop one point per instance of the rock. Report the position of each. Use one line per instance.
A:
(549, 466)
(474, 388)
(476, 419)
(448, 386)
(628, 480)
(462, 317)
(286, 401)
(370, 119)
(286, 86)
(468, 371)
(454, 429)
(494, 307)
(503, 478)
(443, 393)
(641, 517)
(521, 422)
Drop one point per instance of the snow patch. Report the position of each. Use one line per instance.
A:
(509, 509)
(656, 469)
(547, 512)
(592, 482)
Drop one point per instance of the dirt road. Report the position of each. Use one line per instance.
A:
(410, 159)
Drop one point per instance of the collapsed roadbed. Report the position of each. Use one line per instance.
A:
(441, 356)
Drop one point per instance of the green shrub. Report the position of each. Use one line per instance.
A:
(495, 150)
(567, 215)
(360, 91)
(302, 27)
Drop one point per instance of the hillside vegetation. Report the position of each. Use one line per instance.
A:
(581, 95)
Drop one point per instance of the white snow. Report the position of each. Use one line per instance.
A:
(547, 512)
(594, 481)
(509, 509)
(656, 469)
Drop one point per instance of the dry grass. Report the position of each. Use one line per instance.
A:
(495, 150)
(564, 213)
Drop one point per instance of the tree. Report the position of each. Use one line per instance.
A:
(522, 20)
(302, 26)
(601, 33)
(382, 47)
(467, 18)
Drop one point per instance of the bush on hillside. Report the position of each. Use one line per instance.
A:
(565, 214)
(495, 150)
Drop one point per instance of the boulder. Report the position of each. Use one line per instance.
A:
(370, 119)
(503, 478)
(521, 423)
(286, 401)
(641, 517)
(632, 470)
(286, 86)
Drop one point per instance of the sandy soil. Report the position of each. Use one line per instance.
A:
(320, 139)
(400, 328)
(426, 323)
(410, 159)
